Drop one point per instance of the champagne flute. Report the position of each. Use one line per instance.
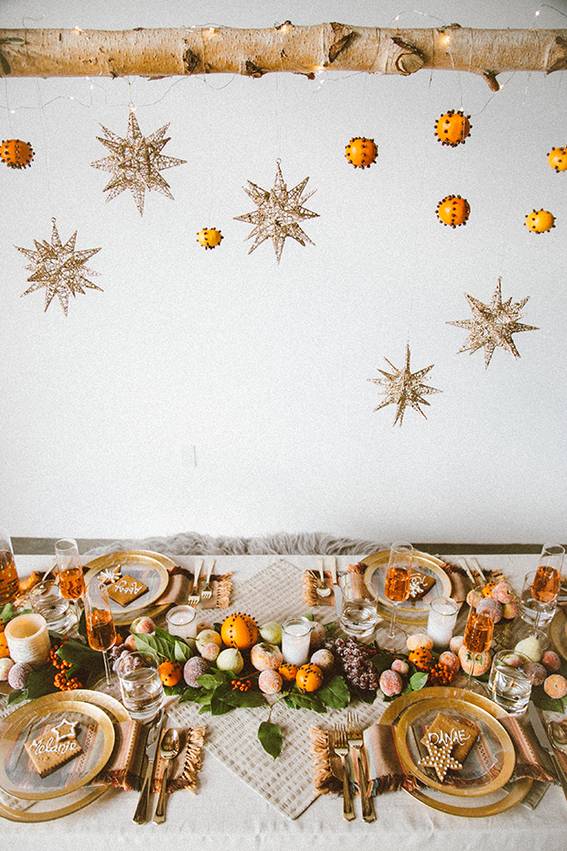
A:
(546, 581)
(397, 590)
(8, 575)
(69, 569)
(101, 633)
(477, 639)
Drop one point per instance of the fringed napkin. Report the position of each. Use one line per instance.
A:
(531, 759)
(328, 771)
(185, 769)
(123, 769)
(222, 592)
(311, 579)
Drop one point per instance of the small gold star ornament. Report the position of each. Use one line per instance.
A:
(440, 760)
(278, 212)
(402, 387)
(135, 162)
(59, 268)
(493, 325)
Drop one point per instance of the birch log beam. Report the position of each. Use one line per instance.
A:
(304, 50)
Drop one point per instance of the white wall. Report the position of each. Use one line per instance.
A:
(263, 369)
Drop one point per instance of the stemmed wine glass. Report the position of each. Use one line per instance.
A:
(477, 639)
(101, 633)
(546, 581)
(69, 569)
(397, 590)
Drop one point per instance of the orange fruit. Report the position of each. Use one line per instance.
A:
(453, 211)
(288, 672)
(452, 128)
(557, 159)
(309, 677)
(422, 658)
(209, 237)
(240, 631)
(16, 153)
(3, 646)
(361, 152)
(170, 673)
(539, 221)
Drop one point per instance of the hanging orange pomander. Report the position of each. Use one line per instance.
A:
(209, 237)
(361, 152)
(452, 128)
(539, 221)
(557, 159)
(453, 211)
(15, 153)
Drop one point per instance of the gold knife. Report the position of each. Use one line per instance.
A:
(545, 742)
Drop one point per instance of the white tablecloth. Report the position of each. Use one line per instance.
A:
(227, 814)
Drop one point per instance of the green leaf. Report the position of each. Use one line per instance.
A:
(298, 700)
(418, 680)
(16, 696)
(210, 681)
(40, 682)
(335, 694)
(182, 651)
(250, 699)
(219, 705)
(7, 612)
(271, 738)
(81, 655)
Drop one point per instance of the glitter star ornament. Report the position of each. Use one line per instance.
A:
(279, 210)
(439, 758)
(59, 268)
(135, 162)
(493, 325)
(402, 387)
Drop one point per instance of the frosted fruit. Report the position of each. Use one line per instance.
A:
(230, 660)
(194, 668)
(270, 682)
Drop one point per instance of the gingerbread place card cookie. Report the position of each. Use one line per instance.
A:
(420, 584)
(458, 732)
(126, 589)
(54, 747)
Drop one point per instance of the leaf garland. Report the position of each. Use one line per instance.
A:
(163, 646)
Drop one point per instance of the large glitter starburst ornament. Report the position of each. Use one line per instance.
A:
(59, 268)
(278, 212)
(135, 162)
(404, 387)
(493, 324)
(439, 758)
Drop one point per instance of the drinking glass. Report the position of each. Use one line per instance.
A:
(510, 683)
(101, 634)
(45, 599)
(477, 639)
(140, 686)
(359, 615)
(69, 569)
(397, 590)
(541, 587)
(9, 586)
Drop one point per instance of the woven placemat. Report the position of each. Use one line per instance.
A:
(274, 593)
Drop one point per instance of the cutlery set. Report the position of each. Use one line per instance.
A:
(206, 593)
(346, 741)
(169, 746)
(545, 741)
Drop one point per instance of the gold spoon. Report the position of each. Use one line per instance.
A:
(168, 750)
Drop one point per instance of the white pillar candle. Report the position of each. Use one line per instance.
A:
(441, 621)
(296, 637)
(28, 639)
(182, 621)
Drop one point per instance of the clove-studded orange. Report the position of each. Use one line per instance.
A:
(452, 128)
(239, 630)
(16, 153)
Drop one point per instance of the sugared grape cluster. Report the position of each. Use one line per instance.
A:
(355, 660)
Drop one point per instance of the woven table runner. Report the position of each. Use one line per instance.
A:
(274, 593)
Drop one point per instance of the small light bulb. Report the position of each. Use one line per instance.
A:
(538, 13)
(71, 97)
(12, 112)
(78, 29)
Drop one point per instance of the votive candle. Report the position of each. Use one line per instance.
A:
(296, 638)
(443, 613)
(181, 621)
(28, 639)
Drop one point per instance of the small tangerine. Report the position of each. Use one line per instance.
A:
(209, 237)
(309, 678)
(557, 159)
(361, 152)
(170, 673)
(452, 128)
(16, 153)
(453, 210)
(239, 630)
(288, 672)
(539, 221)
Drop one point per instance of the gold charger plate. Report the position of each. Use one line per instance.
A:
(483, 719)
(475, 807)
(408, 612)
(52, 809)
(558, 632)
(151, 568)
(19, 727)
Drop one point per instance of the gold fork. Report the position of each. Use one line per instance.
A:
(339, 743)
(194, 597)
(207, 591)
(354, 733)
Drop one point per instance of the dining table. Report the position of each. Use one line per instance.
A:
(227, 814)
